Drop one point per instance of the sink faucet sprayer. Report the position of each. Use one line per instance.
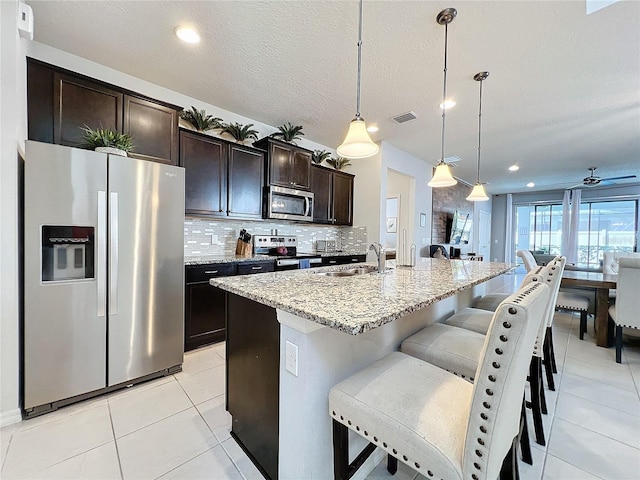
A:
(379, 250)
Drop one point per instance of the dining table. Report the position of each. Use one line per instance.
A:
(601, 283)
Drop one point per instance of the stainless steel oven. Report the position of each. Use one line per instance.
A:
(289, 204)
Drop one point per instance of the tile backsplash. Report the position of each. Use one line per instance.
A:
(218, 237)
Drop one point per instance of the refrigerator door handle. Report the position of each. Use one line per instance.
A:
(102, 253)
(113, 253)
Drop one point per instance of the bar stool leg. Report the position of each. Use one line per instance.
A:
(340, 451)
(509, 470)
(534, 382)
(551, 349)
(543, 398)
(525, 446)
(583, 323)
(392, 464)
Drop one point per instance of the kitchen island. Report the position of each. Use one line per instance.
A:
(292, 335)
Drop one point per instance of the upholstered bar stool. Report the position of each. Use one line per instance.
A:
(456, 349)
(472, 319)
(624, 312)
(435, 422)
(528, 259)
(610, 262)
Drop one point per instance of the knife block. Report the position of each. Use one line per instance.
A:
(243, 248)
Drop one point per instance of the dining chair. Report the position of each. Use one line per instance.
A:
(610, 261)
(431, 420)
(624, 312)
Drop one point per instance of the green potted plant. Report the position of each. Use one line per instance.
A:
(200, 120)
(241, 133)
(106, 140)
(319, 156)
(338, 163)
(288, 132)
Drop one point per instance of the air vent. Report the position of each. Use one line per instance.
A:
(404, 117)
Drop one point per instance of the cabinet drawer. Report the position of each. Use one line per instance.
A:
(202, 273)
(247, 268)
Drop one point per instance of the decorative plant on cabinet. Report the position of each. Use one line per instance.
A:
(288, 132)
(339, 163)
(319, 156)
(241, 133)
(200, 120)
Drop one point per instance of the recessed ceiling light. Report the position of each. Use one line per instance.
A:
(531, 184)
(514, 168)
(188, 35)
(372, 128)
(448, 104)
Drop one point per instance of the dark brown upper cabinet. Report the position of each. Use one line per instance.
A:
(333, 196)
(79, 103)
(205, 162)
(61, 102)
(246, 174)
(287, 165)
(222, 179)
(154, 129)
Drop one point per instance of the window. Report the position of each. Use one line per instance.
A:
(604, 225)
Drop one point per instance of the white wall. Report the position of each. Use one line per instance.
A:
(402, 186)
(401, 162)
(369, 202)
(12, 134)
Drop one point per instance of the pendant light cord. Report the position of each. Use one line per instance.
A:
(479, 131)
(359, 63)
(444, 91)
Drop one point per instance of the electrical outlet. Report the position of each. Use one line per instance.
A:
(214, 239)
(291, 357)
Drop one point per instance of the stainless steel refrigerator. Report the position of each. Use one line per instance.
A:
(103, 273)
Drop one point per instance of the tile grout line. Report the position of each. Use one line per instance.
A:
(210, 429)
(115, 441)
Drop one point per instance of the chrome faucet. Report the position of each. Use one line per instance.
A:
(382, 259)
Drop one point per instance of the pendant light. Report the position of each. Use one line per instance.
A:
(478, 194)
(442, 177)
(358, 143)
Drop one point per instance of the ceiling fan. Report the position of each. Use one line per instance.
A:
(592, 180)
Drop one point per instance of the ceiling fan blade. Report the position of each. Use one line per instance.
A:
(618, 178)
(577, 185)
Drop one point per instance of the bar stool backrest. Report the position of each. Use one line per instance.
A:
(528, 259)
(500, 379)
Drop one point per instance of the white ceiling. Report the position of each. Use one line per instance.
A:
(563, 94)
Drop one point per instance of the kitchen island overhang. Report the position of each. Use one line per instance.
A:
(337, 326)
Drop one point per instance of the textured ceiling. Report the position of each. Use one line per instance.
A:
(563, 94)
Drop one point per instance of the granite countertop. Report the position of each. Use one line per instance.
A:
(204, 259)
(361, 303)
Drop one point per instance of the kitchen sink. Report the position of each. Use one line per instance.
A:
(350, 272)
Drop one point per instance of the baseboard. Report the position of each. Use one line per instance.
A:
(370, 464)
(10, 417)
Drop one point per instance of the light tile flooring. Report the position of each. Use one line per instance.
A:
(177, 428)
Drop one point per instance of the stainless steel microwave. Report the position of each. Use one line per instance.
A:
(289, 204)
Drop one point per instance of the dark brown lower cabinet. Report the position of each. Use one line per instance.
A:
(253, 380)
(204, 316)
(343, 259)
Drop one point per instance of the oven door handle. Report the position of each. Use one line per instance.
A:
(287, 262)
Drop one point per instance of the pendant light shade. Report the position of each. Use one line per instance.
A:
(358, 143)
(478, 194)
(442, 177)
